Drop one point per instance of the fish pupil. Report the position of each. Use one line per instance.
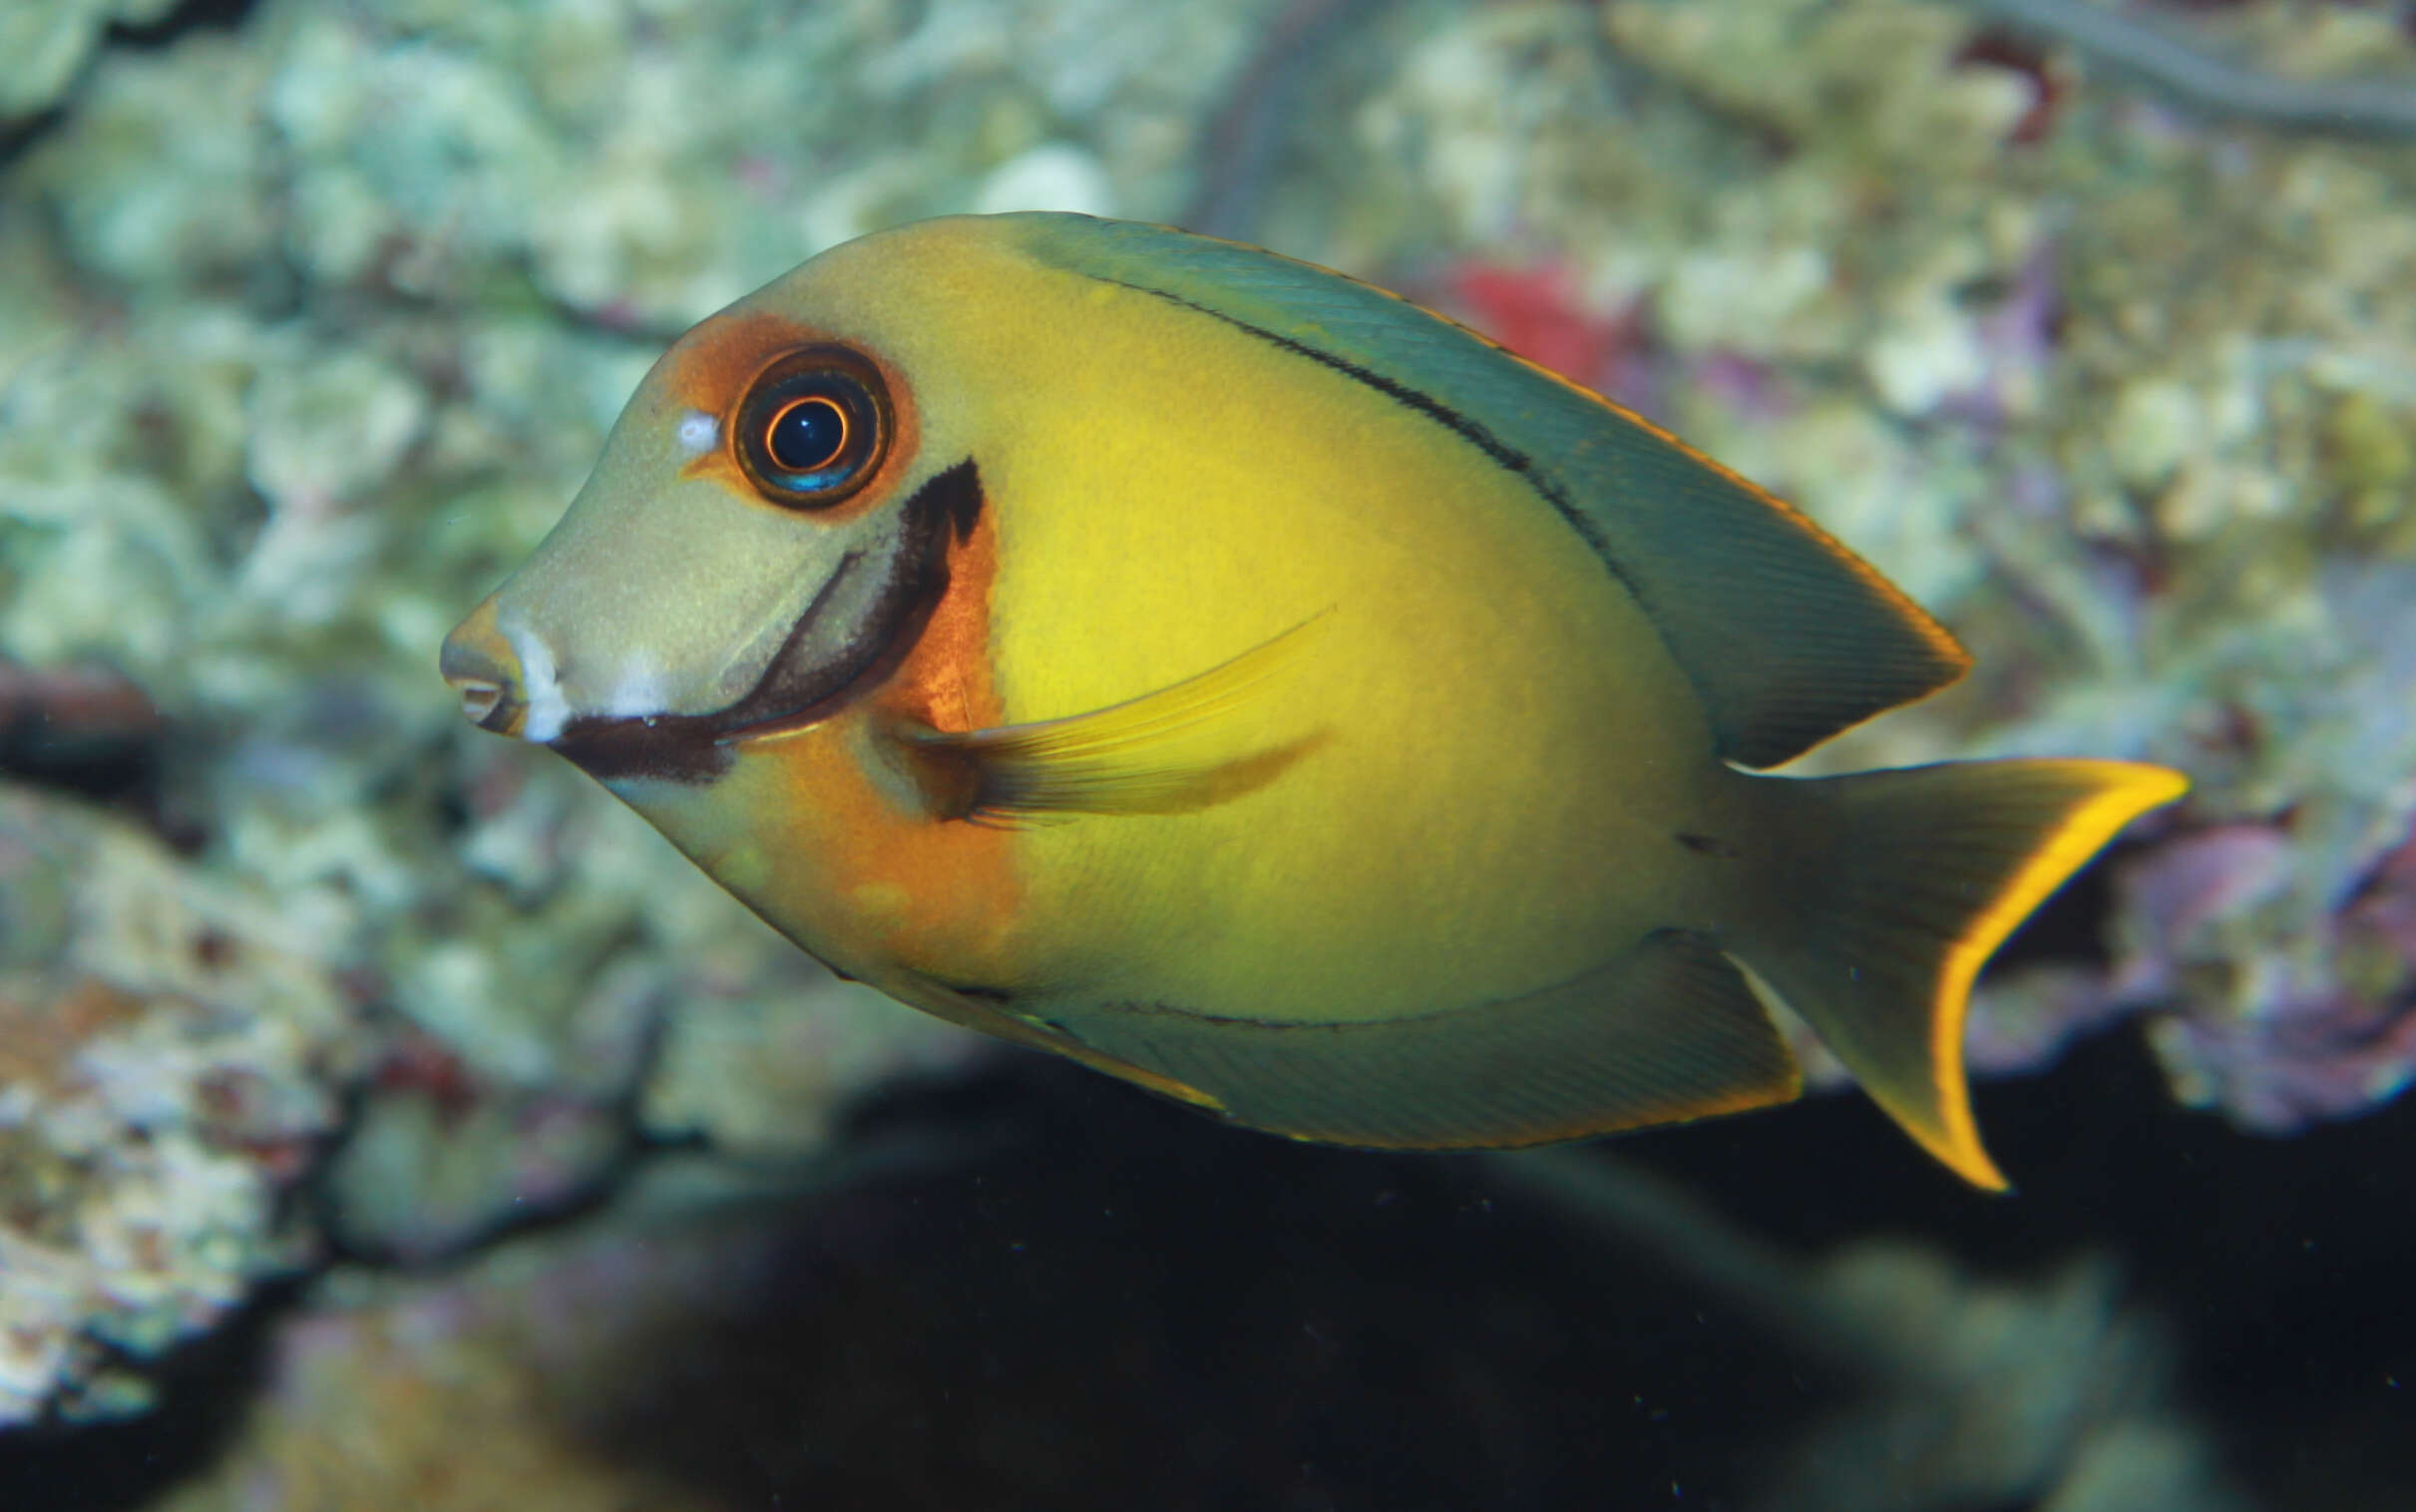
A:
(807, 434)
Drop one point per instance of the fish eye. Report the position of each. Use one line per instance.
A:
(808, 434)
(813, 427)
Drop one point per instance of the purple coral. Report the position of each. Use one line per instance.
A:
(2305, 1052)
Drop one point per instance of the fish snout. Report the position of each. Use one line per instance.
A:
(481, 666)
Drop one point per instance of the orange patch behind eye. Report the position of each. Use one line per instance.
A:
(947, 681)
(939, 897)
(711, 368)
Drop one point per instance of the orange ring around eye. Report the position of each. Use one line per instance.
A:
(771, 431)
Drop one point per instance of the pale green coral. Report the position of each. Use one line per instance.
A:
(171, 1045)
(45, 44)
(310, 328)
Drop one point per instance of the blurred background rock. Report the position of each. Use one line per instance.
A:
(313, 1001)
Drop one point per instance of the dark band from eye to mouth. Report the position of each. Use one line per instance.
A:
(851, 653)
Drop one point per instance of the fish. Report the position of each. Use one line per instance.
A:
(1238, 679)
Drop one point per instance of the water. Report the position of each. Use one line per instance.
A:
(388, 1118)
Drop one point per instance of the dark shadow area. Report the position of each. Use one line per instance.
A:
(1136, 1307)
(191, 16)
(204, 1390)
(17, 138)
(2283, 1265)
(1104, 1301)
(2070, 926)
(1131, 1306)
(95, 734)
(107, 762)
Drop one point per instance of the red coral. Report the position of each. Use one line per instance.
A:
(1537, 311)
(418, 1063)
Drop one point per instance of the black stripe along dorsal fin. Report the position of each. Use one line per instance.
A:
(1786, 635)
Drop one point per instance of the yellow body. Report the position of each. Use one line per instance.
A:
(1460, 656)
(1486, 772)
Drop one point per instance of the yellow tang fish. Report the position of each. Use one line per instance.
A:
(1234, 678)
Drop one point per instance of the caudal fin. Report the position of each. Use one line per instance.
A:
(1899, 885)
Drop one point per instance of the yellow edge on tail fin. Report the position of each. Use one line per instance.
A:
(2131, 789)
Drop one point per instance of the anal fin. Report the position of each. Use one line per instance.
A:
(1664, 1032)
(956, 1006)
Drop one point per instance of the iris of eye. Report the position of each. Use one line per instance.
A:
(807, 435)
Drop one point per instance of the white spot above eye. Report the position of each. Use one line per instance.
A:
(698, 430)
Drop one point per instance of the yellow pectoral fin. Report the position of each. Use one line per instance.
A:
(1165, 752)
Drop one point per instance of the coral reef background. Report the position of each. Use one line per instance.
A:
(388, 1119)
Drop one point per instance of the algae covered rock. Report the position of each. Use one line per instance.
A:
(312, 320)
(45, 45)
(172, 1053)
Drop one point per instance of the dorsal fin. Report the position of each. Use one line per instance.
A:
(1787, 636)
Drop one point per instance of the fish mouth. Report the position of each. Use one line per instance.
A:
(864, 619)
(490, 704)
(486, 672)
(482, 700)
